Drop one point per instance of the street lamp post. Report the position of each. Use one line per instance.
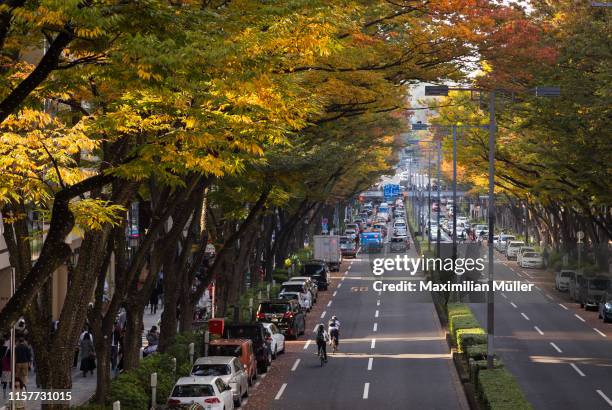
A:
(454, 207)
(438, 230)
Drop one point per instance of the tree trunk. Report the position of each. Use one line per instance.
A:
(134, 327)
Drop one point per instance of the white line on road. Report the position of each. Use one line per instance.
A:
(335, 293)
(603, 396)
(366, 390)
(548, 296)
(373, 344)
(329, 303)
(323, 314)
(600, 332)
(528, 275)
(339, 284)
(342, 280)
(375, 328)
(295, 365)
(504, 295)
(538, 330)
(525, 316)
(379, 292)
(378, 302)
(370, 361)
(307, 344)
(376, 313)
(349, 268)
(514, 305)
(556, 347)
(577, 370)
(579, 317)
(563, 306)
(345, 272)
(280, 392)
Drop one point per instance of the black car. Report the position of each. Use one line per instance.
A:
(317, 270)
(257, 334)
(285, 314)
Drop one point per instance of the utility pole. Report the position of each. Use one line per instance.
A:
(439, 205)
(454, 207)
(491, 215)
(428, 200)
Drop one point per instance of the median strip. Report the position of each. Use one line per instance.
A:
(280, 392)
(366, 390)
(577, 370)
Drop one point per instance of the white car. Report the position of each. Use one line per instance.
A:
(298, 286)
(229, 369)
(276, 338)
(351, 233)
(532, 260)
(512, 249)
(310, 285)
(297, 296)
(563, 279)
(209, 392)
(522, 250)
(502, 241)
(482, 230)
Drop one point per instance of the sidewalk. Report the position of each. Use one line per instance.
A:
(83, 388)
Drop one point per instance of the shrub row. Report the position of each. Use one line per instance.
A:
(463, 326)
(497, 389)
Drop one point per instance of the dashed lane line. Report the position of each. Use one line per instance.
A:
(329, 303)
(514, 305)
(366, 390)
(525, 316)
(538, 330)
(577, 370)
(556, 347)
(375, 328)
(563, 306)
(504, 295)
(602, 334)
(370, 361)
(579, 317)
(378, 302)
(376, 313)
(373, 345)
(307, 344)
(280, 392)
(339, 285)
(603, 396)
(296, 364)
(548, 296)
(323, 314)
(335, 293)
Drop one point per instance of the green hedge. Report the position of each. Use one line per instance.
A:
(498, 390)
(476, 352)
(463, 326)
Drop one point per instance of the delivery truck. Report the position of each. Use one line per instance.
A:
(327, 249)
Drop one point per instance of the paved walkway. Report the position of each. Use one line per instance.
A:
(83, 388)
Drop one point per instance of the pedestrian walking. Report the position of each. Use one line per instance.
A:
(88, 355)
(23, 360)
(115, 341)
(154, 300)
(5, 365)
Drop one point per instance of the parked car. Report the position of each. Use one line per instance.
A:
(300, 287)
(512, 249)
(522, 250)
(563, 279)
(399, 244)
(240, 348)
(310, 285)
(317, 270)
(591, 290)
(482, 230)
(209, 392)
(605, 307)
(286, 314)
(532, 260)
(276, 339)
(298, 297)
(229, 369)
(353, 226)
(257, 334)
(502, 242)
(348, 247)
(351, 233)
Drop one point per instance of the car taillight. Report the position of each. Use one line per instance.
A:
(173, 402)
(288, 315)
(212, 400)
(261, 315)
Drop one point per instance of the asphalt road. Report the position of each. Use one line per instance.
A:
(392, 353)
(560, 355)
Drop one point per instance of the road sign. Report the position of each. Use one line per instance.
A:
(419, 127)
(436, 90)
(548, 91)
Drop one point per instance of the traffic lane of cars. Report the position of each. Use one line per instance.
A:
(547, 348)
(268, 386)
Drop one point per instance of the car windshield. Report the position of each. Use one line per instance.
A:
(567, 274)
(292, 288)
(224, 350)
(598, 284)
(344, 240)
(531, 255)
(397, 239)
(288, 296)
(193, 390)
(273, 307)
(525, 250)
(311, 269)
(211, 370)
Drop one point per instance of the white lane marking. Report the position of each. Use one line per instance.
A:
(538, 330)
(556, 347)
(538, 288)
(307, 344)
(378, 302)
(323, 314)
(379, 292)
(563, 306)
(375, 328)
(514, 305)
(345, 272)
(373, 345)
(577, 370)
(579, 318)
(329, 303)
(280, 392)
(548, 296)
(600, 332)
(342, 280)
(366, 390)
(339, 284)
(504, 295)
(376, 313)
(525, 316)
(349, 268)
(295, 365)
(370, 361)
(335, 293)
(528, 275)
(603, 396)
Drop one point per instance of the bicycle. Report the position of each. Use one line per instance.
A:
(334, 344)
(321, 356)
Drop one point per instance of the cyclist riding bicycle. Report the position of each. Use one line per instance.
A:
(322, 339)
(334, 329)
